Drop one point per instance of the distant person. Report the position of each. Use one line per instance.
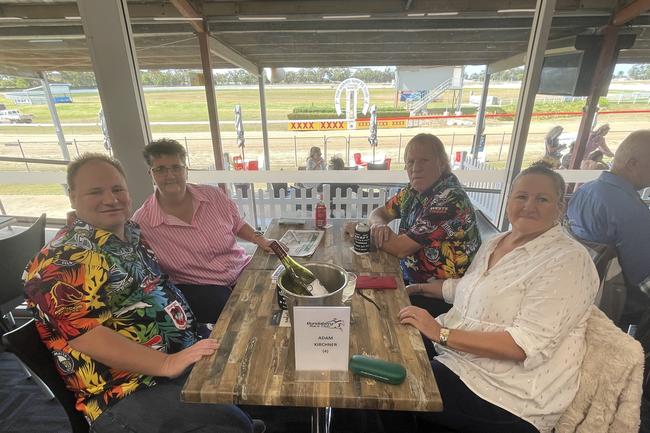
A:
(597, 141)
(315, 160)
(594, 162)
(438, 235)
(609, 210)
(553, 148)
(193, 230)
(336, 163)
(121, 334)
(565, 162)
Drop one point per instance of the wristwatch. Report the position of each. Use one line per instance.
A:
(444, 336)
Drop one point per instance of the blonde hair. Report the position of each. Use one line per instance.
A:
(436, 146)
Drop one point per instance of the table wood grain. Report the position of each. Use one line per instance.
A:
(335, 247)
(255, 364)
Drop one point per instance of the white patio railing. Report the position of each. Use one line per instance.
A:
(373, 189)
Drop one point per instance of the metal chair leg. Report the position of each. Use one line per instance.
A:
(46, 390)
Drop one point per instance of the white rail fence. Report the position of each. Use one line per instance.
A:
(486, 200)
(362, 191)
(260, 207)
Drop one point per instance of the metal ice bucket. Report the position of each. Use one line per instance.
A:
(334, 278)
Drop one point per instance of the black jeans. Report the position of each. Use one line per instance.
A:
(205, 301)
(465, 411)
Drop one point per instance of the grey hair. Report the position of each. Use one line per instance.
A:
(436, 145)
(637, 144)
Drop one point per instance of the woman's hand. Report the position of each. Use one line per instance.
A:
(379, 233)
(265, 244)
(414, 289)
(176, 363)
(421, 320)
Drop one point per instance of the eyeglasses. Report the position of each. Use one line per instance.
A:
(163, 170)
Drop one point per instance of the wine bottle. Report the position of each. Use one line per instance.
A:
(303, 281)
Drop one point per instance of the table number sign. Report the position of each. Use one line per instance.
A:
(321, 338)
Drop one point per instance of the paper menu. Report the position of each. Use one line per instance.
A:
(302, 243)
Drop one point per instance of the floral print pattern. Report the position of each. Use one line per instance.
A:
(442, 220)
(87, 277)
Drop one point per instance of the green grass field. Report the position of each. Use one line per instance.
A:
(288, 149)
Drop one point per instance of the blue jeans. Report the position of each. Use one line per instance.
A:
(159, 409)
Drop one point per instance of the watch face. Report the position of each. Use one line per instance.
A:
(444, 335)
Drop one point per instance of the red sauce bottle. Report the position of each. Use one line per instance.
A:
(320, 214)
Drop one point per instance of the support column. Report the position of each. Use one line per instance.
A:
(534, 59)
(265, 130)
(480, 115)
(51, 105)
(110, 41)
(211, 99)
(603, 67)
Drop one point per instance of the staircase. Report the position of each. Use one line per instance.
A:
(432, 95)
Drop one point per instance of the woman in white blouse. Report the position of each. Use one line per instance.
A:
(510, 349)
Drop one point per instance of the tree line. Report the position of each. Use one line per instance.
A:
(189, 77)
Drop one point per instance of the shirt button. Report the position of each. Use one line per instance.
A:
(485, 274)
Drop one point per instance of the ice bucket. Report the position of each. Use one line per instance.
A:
(334, 278)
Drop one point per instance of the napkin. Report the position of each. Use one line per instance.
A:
(379, 283)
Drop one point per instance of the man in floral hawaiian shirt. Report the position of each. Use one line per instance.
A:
(121, 335)
(438, 235)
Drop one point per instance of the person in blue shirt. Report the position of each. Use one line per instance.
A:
(609, 210)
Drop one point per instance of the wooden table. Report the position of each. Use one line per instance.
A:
(255, 360)
(335, 248)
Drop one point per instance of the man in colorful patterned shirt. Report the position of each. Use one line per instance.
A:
(438, 235)
(121, 335)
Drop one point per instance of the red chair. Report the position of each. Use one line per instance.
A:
(358, 161)
(238, 163)
(253, 165)
(387, 163)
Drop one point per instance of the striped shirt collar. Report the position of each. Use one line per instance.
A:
(158, 215)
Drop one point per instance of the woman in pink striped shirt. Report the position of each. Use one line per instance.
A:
(193, 230)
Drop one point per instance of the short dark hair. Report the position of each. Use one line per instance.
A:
(83, 159)
(163, 147)
(436, 145)
(545, 169)
(336, 163)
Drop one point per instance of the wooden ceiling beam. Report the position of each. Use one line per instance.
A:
(224, 51)
(392, 25)
(187, 11)
(630, 12)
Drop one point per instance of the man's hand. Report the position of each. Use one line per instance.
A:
(176, 363)
(265, 244)
(121, 353)
(380, 233)
(349, 229)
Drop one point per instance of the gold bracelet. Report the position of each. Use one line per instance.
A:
(444, 336)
